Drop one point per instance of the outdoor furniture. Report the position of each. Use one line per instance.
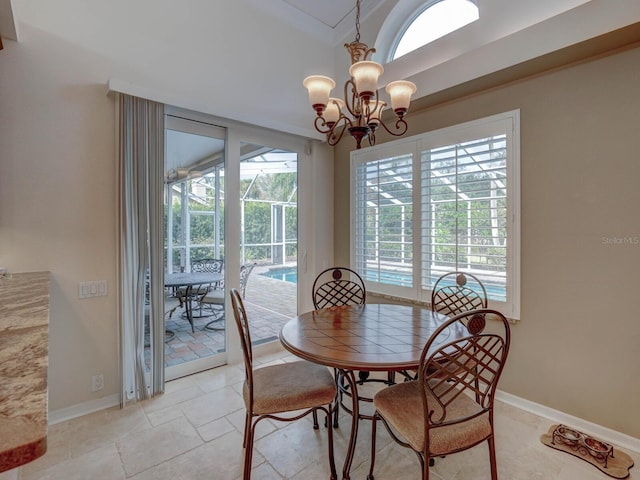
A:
(274, 390)
(207, 265)
(449, 408)
(371, 337)
(189, 283)
(214, 299)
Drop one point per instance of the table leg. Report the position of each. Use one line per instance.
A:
(188, 306)
(355, 414)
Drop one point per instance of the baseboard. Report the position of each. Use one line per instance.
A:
(74, 411)
(603, 433)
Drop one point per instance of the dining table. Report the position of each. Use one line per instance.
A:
(374, 337)
(189, 280)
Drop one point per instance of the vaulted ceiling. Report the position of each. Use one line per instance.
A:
(245, 60)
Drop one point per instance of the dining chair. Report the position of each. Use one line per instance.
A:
(214, 299)
(450, 407)
(456, 292)
(338, 286)
(286, 388)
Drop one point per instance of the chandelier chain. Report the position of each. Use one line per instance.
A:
(357, 20)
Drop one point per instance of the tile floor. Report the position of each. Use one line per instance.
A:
(194, 431)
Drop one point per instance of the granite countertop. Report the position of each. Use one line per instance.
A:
(24, 332)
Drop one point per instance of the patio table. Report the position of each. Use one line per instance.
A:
(188, 280)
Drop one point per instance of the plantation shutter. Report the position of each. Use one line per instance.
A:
(383, 227)
(464, 212)
(446, 200)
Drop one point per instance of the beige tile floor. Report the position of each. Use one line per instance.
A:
(194, 431)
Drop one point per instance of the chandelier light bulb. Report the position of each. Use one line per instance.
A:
(400, 92)
(319, 88)
(365, 74)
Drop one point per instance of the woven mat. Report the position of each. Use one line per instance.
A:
(617, 466)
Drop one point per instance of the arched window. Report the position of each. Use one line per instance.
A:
(435, 19)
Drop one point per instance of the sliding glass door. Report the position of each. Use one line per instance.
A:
(269, 237)
(232, 197)
(195, 336)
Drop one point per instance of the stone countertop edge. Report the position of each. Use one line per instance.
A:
(24, 333)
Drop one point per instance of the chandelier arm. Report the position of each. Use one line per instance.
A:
(341, 125)
(366, 109)
(321, 125)
(372, 137)
(401, 127)
(351, 104)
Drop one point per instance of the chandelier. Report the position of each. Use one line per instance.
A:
(361, 99)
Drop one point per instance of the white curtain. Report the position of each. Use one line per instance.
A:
(140, 216)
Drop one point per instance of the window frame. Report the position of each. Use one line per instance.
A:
(504, 123)
(417, 12)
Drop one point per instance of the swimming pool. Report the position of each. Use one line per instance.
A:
(290, 274)
(285, 274)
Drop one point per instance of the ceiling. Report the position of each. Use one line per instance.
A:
(287, 40)
(328, 12)
(7, 23)
(337, 16)
(330, 20)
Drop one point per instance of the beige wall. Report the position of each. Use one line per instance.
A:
(57, 202)
(576, 347)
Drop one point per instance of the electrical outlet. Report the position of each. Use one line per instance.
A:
(97, 382)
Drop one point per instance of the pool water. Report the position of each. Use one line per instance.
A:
(290, 274)
(285, 274)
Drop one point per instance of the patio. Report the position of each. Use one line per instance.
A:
(269, 304)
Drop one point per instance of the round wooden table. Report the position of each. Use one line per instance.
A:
(370, 337)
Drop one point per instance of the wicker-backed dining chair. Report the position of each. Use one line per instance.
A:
(457, 292)
(453, 293)
(338, 286)
(449, 408)
(274, 390)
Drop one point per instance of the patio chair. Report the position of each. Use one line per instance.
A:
(295, 389)
(449, 408)
(214, 299)
(207, 265)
